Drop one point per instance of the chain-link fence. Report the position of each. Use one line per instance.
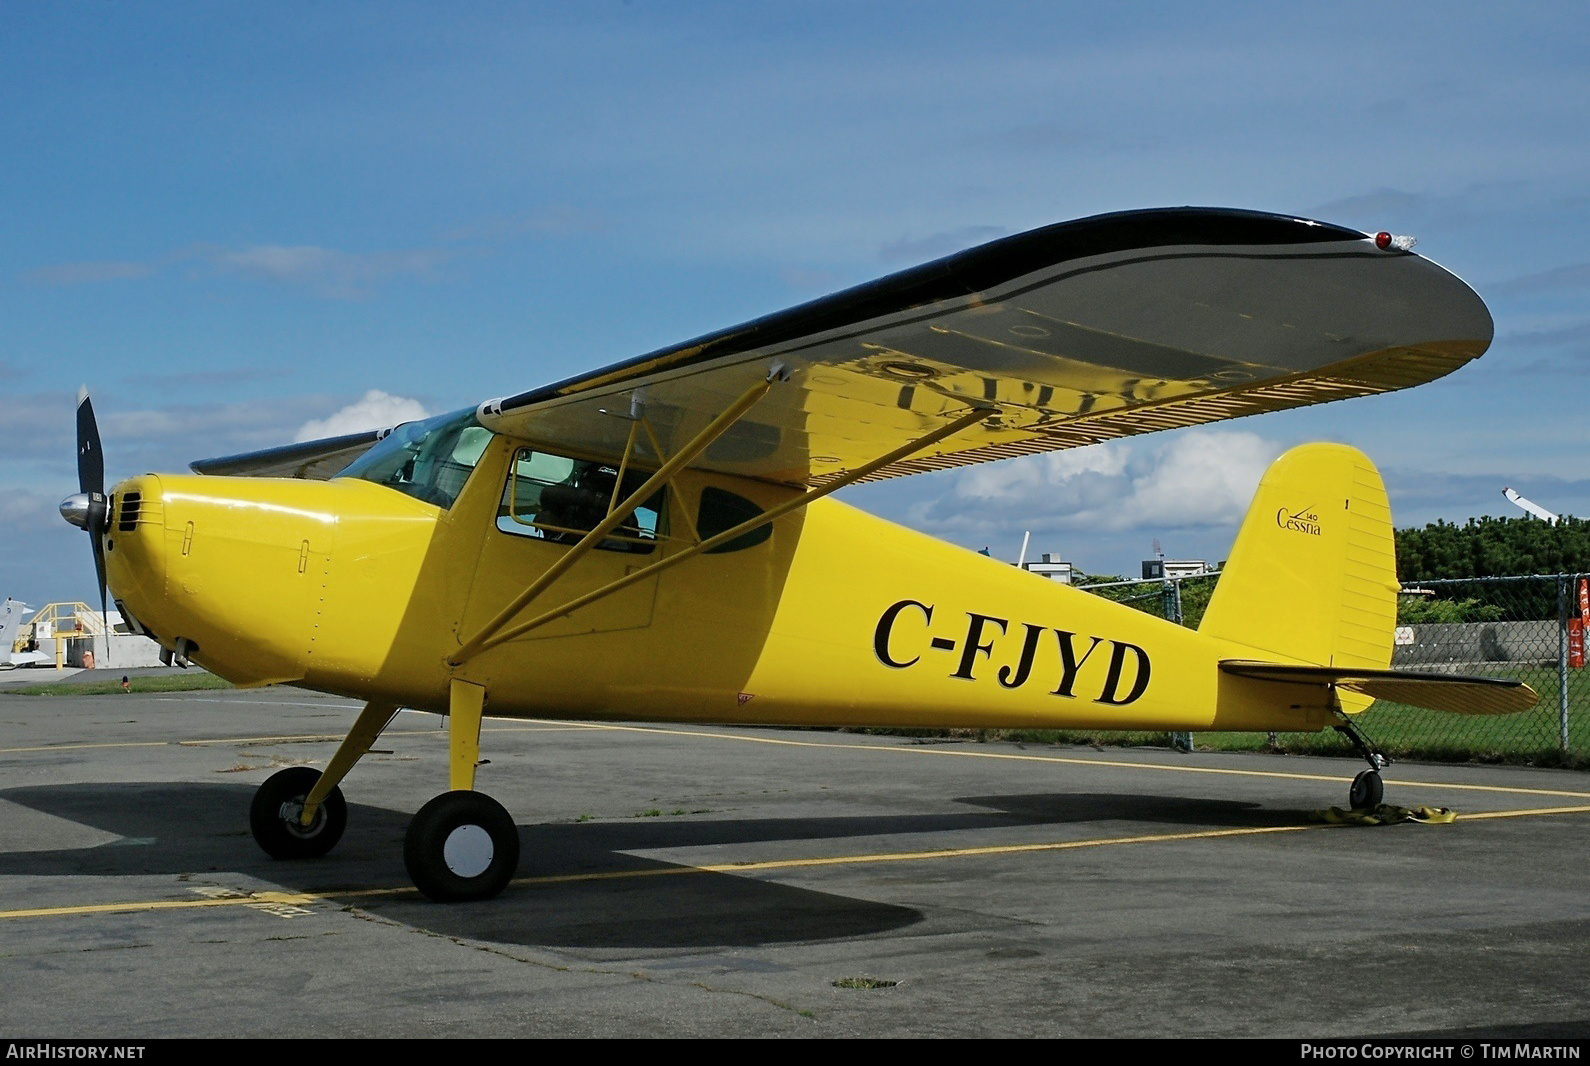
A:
(1530, 629)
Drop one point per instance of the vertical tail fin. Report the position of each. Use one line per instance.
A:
(10, 622)
(1313, 575)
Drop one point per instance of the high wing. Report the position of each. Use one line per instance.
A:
(1071, 334)
(1063, 336)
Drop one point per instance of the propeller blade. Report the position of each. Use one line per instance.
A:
(90, 457)
(99, 572)
(91, 482)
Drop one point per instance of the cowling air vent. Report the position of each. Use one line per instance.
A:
(131, 503)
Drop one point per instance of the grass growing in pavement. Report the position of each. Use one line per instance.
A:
(188, 682)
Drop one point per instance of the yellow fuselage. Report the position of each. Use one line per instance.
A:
(838, 618)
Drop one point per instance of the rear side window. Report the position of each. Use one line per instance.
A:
(721, 511)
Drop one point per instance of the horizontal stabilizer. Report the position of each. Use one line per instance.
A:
(1453, 693)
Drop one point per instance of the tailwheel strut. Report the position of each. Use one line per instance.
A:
(1367, 789)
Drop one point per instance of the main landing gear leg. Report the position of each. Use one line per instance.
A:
(1367, 789)
(462, 845)
(299, 813)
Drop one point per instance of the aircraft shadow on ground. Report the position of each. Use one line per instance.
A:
(611, 900)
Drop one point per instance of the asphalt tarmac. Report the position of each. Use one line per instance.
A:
(704, 881)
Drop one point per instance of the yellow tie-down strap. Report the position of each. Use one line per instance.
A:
(1386, 814)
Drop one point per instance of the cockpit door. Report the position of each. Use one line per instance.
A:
(548, 503)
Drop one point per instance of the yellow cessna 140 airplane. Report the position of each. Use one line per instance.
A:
(651, 541)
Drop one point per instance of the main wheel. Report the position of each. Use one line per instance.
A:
(461, 846)
(274, 816)
(1367, 790)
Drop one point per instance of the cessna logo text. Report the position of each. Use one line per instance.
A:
(1303, 520)
(1048, 656)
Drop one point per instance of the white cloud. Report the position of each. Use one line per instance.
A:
(1574, 276)
(327, 271)
(1020, 480)
(1200, 479)
(40, 428)
(28, 512)
(1194, 479)
(375, 410)
(138, 439)
(553, 220)
(88, 273)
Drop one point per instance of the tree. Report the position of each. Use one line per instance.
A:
(1493, 547)
(1489, 548)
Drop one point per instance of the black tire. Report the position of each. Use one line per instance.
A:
(1367, 791)
(461, 846)
(274, 816)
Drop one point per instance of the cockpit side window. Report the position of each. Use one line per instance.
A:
(559, 499)
(429, 460)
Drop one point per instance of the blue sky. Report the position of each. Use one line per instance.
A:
(233, 220)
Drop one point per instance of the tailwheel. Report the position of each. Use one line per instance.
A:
(276, 816)
(1366, 791)
(461, 846)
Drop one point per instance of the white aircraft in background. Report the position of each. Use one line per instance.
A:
(1533, 508)
(11, 613)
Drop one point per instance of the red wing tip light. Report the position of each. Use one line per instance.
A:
(1385, 241)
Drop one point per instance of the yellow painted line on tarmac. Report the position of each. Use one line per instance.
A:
(994, 849)
(289, 738)
(286, 738)
(296, 899)
(919, 856)
(76, 747)
(1523, 814)
(301, 899)
(319, 705)
(1111, 763)
(548, 727)
(196, 743)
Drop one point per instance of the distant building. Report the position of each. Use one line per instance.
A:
(71, 634)
(1051, 568)
(1161, 569)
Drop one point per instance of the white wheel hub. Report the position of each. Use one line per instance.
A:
(468, 851)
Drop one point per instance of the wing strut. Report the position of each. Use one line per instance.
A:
(492, 634)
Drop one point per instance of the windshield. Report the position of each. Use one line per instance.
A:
(428, 460)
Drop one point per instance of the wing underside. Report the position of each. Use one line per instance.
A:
(1070, 335)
